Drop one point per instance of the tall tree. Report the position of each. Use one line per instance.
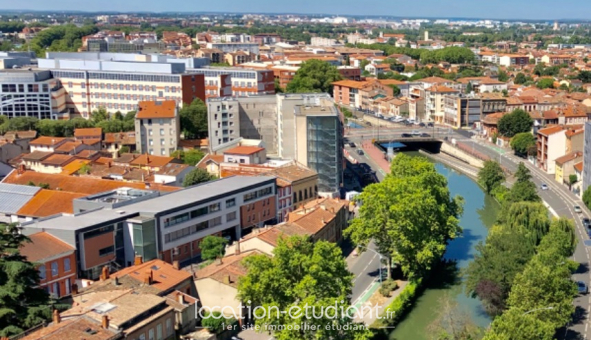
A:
(522, 142)
(491, 176)
(212, 247)
(522, 174)
(314, 76)
(520, 78)
(22, 304)
(194, 119)
(197, 176)
(515, 122)
(516, 324)
(532, 217)
(300, 274)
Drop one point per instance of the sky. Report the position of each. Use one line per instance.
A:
(494, 9)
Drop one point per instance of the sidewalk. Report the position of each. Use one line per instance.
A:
(369, 317)
(376, 155)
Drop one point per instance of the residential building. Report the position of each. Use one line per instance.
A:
(587, 157)
(320, 41)
(117, 81)
(577, 188)
(76, 327)
(12, 199)
(172, 174)
(113, 227)
(9, 150)
(245, 155)
(34, 94)
(245, 82)
(565, 166)
(435, 102)
(462, 111)
(557, 59)
(284, 74)
(157, 127)
(350, 72)
(513, 60)
(55, 260)
(575, 140)
(229, 47)
(551, 144)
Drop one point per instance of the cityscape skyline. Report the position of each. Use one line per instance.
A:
(571, 9)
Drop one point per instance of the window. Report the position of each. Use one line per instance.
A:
(54, 269)
(42, 272)
(150, 132)
(161, 130)
(142, 337)
(106, 251)
(151, 334)
(231, 216)
(70, 84)
(230, 203)
(162, 141)
(214, 207)
(215, 222)
(67, 265)
(168, 327)
(159, 332)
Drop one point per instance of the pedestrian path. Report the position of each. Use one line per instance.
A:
(376, 155)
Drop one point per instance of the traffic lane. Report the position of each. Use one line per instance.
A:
(365, 268)
(367, 160)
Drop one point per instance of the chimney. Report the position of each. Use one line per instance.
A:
(74, 289)
(56, 316)
(227, 279)
(175, 265)
(323, 221)
(105, 273)
(138, 260)
(332, 210)
(105, 322)
(109, 164)
(116, 281)
(181, 298)
(237, 250)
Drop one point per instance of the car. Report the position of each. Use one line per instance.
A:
(583, 289)
(586, 222)
(415, 133)
(578, 209)
(406, 135)
(429, 124)
(422, 124)
(360, 152)
(352, 145)
(417, 123)
(425, 134)
(544, 187)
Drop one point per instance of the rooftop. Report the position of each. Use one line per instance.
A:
(568, 157)
(172, 169)
(13, 197)
(156, 109)
(230, 268)
(49, 202)
(80, 327)
(550, 130)
(46, 141)
(244, 150)
(88, 132)
(44, 246)
(151, 160)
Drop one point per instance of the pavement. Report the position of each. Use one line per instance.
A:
(560, 202)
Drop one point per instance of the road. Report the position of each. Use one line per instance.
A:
(561, 202)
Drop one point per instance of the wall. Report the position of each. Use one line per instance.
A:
(556, 147)
(92, 247)
(214, 293)
(62, 275)
(254, 243)
(193, 86)
(459, 154)
(167, 314)
(255, 213)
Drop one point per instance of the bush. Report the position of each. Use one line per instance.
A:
(216, 323)
(387, 287)
(399, 306)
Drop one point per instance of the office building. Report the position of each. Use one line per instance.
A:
(306, 128)
(157, 128)
(25, 93)
(117, 81)
(112, 227)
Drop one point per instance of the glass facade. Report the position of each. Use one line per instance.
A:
(144, 239)
(325, 151)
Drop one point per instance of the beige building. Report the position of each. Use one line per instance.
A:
(157, 127)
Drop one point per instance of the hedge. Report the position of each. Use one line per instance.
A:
(398, 308)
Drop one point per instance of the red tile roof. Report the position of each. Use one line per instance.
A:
(46, 141)
(165, 276)
(89, 132)
(244, 150)
(550, 130)
(49, 202)
(158, 109)
(45, 246)
(151, 160)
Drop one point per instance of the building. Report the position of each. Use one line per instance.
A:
(172, 174)
(551, 144)
(25, 93)
(587, 157)
(55, 261)
(306, 128)
(157, 127)
(435, 102)
(350, 72)
(77, 327)
(513, 60)
(113, 227)
(244, 82)
(462, 111)
(229, 47)
(557, 59)
(320, 41)
(245, 155)
(117, 81)
(565, 167)
(284, 74)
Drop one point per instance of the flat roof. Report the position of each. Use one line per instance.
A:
(172, 201)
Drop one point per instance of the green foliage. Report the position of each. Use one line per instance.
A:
(503, 76)
(522, 174)
(22, 305)
(414, 53)
(11, 26)
(572, 179)
(522, 142)
(216, 323)
(300, 273)
(515, 324)
(63, 38)
(124, 149)
(212, 247)
(190, 157)
(545, 83)
(453, 55)
(491, 176)
(520, 78)
(314, 76)
(197, 176)
(398, 307)
(194, 119)
(387, 287)
(515, 122)
(395, 90)
(410, 215)
(531, 216)
(84, 169)
(584, 76)
(469, 88)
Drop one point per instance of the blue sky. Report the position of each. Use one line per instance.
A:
(510, 9)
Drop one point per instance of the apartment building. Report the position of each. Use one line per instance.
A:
(229, 47)
(117, 81)
(551, 144)
(285, 74)
(25, 93)
(320, 41)
(462, 111)
(306, 128)
(435, 102)
(112, 227)
(513, 60)
(244, 82)
(157, 127)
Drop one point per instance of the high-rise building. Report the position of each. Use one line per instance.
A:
(306, 128)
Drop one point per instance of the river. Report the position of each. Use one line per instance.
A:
(480, 212)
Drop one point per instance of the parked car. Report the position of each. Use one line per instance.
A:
(406, 135)
(360, 152)
(415, 132)
(586, 222)
(352, 145)
(544, 187)
(583, 289)
(578, 209)
(422, 124)
(429, 124)
(425, 134)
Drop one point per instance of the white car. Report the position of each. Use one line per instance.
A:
(544, 187)
(415, 133)
(578, 209)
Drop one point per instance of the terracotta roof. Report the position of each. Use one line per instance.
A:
(151, 160)
(125, 138)
(87, 154)
(579, 167)
(244, 150)
(37, 156)
(158, 109)
(391, 82)
(172, 169)
(77, 184)
(231, 267)
(165, 276)
(73, 167)
(125, 158)
(91, 141)
(435, 80)
(573, 132)
(50, 202)
(550, 114)
(73, 328)
(58, 160)
(550, 130)
(441, 89)
(45, 246)
(88, 132)
(193, 143)
(218, 159)
(47, 141)
(68, 146)
(293, 173)
(350, 83)
(568, 157)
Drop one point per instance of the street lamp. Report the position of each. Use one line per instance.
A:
(538, 309)
(380, 255)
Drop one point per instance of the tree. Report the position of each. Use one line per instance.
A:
(99, 115)
(515, 122)
(516, 324)
(212, 247)
(197, 176)
(314, 76)
(190, 157)
(410, 215)
(502, 76)
(522, 174)
(491, 176)
(584, 76)
(531, 217)
(194, 119)
(522, 142)
(300, 274)
(84, 169)
(563, 87)
(22, 304)
(520, 78)
(395, 90)
(587, 197)
(216, 323)
(469, 88)
(452, 323)
(545, 83)
(124, 149)
(572, 179)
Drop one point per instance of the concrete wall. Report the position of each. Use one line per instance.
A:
(459, 154)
